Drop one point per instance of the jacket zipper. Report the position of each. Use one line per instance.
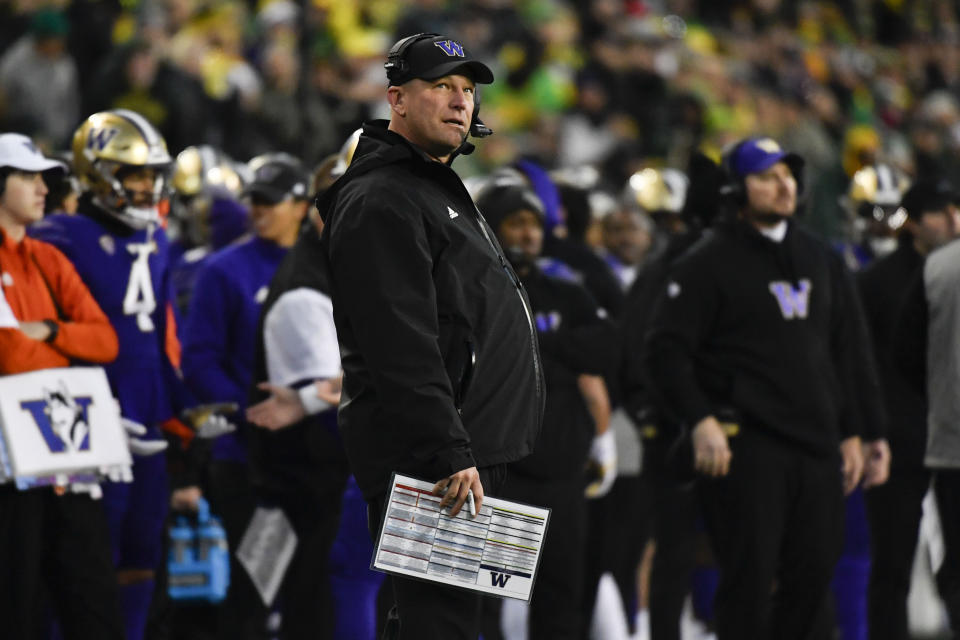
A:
(526, 309)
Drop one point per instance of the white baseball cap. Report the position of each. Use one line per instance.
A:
(19, 152)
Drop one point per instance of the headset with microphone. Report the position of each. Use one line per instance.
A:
(397, 66)
(734, 189)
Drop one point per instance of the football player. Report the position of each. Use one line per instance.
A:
(873, 206)
(205, 215)
(120, 251)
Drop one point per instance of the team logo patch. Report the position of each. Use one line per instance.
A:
(549, 321)
(673, 289)
(450, 48)
(453, 214)
(107, 244)
(260, 295)
(7, 279)
(794, 301)
(32, 148)
(61, 419)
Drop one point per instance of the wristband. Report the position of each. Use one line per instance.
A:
(54, 330)
(311, 402)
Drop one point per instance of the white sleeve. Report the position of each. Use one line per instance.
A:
(300, 338)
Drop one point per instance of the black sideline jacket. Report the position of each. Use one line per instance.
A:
(440, 356)
(773, 330)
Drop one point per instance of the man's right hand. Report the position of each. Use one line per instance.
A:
(185, 498)
(282, 409)
(455, 488)
(711, 451)
(876, 461)
(851, 453)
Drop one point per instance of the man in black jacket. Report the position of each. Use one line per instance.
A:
(571, 327)
(895, 509)
(442, 374)
(674, 509)
(756, 321)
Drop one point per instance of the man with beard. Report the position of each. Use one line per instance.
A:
(758, 323)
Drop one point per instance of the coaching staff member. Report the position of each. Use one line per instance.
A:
(756, 321)
(442, 375)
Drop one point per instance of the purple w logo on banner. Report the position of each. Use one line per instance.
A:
(794, 301)
(62, 419)
(450, 48)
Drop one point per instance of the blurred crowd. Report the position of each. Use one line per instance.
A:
(616, 84)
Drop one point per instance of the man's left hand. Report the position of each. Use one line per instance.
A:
(851, 450)
(876, 456)
(455, 489)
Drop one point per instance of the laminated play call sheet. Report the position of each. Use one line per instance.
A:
(496, 552)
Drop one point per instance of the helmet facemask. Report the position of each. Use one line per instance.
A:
(127, 205)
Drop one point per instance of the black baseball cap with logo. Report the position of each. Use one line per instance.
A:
(276, 180)
(429, 56)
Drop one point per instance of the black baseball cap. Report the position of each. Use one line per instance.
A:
(275, 180)
(434, 56)
(497, 202)
(927, 195)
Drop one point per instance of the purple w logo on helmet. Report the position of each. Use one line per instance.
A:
(450, 48)
(100, 138)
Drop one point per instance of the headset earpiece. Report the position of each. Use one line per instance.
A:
(733, 187)
(396, 64)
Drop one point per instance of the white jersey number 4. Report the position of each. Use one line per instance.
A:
(139, 299)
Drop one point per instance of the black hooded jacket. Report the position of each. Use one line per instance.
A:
(772, 330)
(440, 356)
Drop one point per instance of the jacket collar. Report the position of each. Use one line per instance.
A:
(377, 147)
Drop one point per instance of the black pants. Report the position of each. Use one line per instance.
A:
(894, 510)
(554, 606)
(675, 512)
(946, 488)
(59, 546)
(232, 499)
(304, 600)
(776, 521)
(618, 528)
(429, 610)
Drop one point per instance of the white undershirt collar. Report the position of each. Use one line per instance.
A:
(777, 232)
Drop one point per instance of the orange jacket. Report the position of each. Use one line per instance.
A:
(85, 334)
